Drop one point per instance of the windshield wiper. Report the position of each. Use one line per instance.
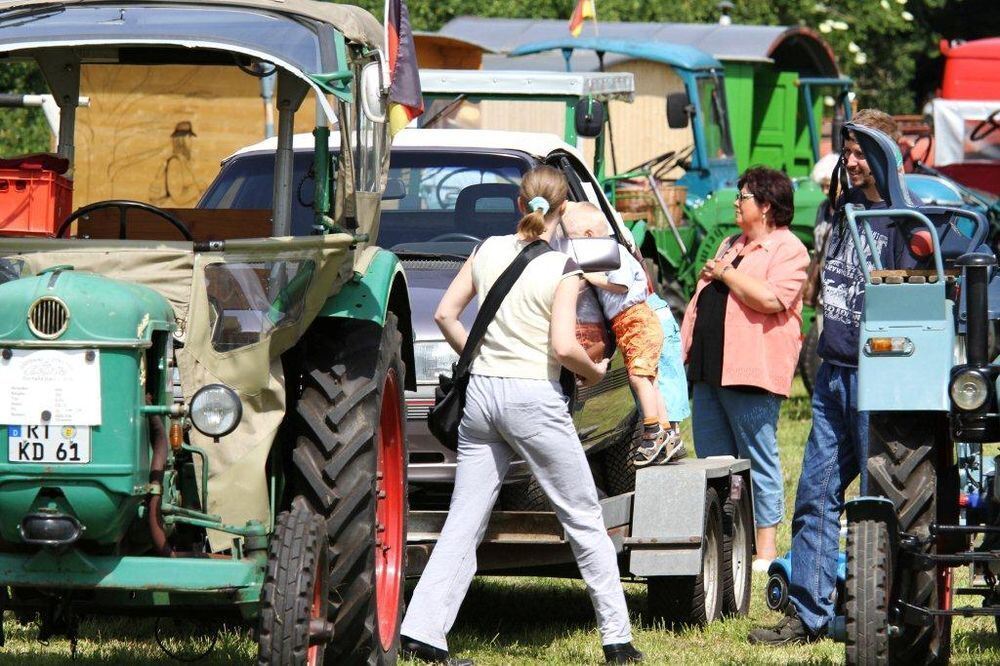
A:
(408, 254)
(29, 14)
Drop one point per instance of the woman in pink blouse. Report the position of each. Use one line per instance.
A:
(741, 337)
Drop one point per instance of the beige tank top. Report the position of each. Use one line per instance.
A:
(517, 343)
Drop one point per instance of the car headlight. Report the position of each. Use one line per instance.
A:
(969, 390)
(215, 410)
(431, 360)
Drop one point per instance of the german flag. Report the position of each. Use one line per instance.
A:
(584, 10)
(406, 101)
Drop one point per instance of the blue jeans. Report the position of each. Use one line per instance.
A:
(744, 425)
(836, 453)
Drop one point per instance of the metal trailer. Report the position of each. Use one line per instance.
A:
(686, 531)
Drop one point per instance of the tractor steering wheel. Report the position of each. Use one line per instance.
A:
(454, 236)
(123, 205)
(986, 127)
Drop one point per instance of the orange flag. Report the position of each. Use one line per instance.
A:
(584, 10)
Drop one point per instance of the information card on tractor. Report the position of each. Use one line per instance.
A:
(51, 386)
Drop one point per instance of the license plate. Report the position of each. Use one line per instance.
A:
(48, 444)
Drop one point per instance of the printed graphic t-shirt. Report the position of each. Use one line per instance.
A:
(844, 283)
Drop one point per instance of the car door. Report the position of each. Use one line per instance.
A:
(605, 412)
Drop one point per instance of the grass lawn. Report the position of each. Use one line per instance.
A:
(535, 620)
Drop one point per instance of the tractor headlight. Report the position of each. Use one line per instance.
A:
(215, 410)
(969, 390)
(432, 359)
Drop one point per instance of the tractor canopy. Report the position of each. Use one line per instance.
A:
(242, 289)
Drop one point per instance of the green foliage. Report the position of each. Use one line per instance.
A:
(895, 42)
(22, 130)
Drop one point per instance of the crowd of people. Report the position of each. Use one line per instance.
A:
(739, 340)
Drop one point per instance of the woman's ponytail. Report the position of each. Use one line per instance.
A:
(543, 192)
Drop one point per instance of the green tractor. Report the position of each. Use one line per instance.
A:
(203, 410)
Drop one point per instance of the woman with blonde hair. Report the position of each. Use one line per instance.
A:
(515, 407)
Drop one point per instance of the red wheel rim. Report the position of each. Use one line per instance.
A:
(389, 508)
(316, 613)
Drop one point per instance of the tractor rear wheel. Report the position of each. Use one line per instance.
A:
(293, 615)
(349, 462)
(902, 449)
(869, 585)
(692, 600)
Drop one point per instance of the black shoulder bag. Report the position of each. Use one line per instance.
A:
(449, 396)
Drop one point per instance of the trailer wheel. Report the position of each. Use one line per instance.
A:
(292, 624)
(902, 449)
(869, 583)
(692, 600)
(349, 462)
(737, 554)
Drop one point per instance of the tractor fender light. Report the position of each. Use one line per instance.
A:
(52, 530)
(969, 390)
(888, 347)
(215, 410)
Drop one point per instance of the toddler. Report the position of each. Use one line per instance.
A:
(622, 294)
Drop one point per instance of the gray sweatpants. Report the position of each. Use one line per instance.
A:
(505, 417)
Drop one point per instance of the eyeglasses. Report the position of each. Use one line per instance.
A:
(740, 197)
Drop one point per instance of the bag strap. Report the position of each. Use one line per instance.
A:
(494, 298)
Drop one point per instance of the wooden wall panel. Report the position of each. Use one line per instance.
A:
(140, 119)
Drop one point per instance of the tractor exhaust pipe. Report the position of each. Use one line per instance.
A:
(154, 513)
(977, 268)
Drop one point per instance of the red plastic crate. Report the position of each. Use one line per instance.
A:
(34, 197)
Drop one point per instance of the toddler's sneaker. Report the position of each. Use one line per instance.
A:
(659, 447)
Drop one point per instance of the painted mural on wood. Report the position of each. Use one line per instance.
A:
(158, 134)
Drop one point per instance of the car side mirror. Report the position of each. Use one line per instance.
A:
(373, 92)
(595, 255)
(395, 189)
(588, 117)
(679, 110)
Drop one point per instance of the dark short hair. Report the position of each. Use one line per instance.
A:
(773, 187)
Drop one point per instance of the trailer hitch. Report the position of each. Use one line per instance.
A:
(59, 619)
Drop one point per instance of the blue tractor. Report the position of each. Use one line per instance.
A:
(926, 377)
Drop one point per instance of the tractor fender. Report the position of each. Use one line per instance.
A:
(379, 287)
(879, 509)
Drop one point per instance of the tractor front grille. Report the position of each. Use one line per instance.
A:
(48, 317)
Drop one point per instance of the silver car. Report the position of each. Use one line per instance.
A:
(448, 190)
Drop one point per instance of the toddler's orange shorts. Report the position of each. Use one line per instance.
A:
(640, 337)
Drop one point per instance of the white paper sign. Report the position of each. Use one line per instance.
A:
(59, 383)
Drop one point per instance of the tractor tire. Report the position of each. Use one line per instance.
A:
(349, 463)
(809, 360)
(737, 555)
(616, 461)
(902, 450)
(524, 495)
(869, 592)
(692, 600)
(295, 591)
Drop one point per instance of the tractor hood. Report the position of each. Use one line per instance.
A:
(99, 310)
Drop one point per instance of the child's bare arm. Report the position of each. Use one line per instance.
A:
(600, 281)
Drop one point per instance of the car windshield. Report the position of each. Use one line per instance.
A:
(711, 95)
(436, 202)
